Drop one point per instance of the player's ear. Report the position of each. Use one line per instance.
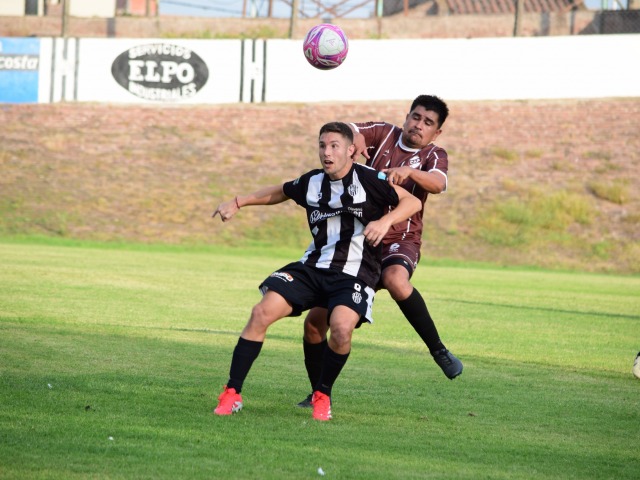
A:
(351, 150)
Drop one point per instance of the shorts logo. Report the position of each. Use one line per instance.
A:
(282, 276)
(394, 248)
(357, 296)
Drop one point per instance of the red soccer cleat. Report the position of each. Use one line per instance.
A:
(321, 406)
(228, 402)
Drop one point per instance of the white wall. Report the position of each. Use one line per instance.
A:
(12, 8)
(92, 8)
(461, 69)
(232, 71)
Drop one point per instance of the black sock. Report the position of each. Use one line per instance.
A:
(313, 355)
(331, 368)
(415, 310)
(244, 354)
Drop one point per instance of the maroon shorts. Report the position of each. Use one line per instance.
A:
(406, 254)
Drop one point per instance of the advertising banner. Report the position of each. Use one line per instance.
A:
(186, 71)
(19, 68)
(159, 71)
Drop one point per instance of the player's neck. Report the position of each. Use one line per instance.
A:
(406, 148)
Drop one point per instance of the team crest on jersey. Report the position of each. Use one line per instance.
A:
(414, 162)
(394, 248)
(357, 297)
(352, 190)
(282, 276)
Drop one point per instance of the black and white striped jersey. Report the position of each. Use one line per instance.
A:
(337, 213)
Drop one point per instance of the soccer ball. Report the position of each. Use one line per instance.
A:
(325, 46)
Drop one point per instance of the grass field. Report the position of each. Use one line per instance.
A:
(111, 359)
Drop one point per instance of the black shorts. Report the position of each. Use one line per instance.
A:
(306, 287)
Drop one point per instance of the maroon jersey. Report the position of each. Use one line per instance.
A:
(386, 150)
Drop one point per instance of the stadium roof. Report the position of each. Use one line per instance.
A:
(470, 7)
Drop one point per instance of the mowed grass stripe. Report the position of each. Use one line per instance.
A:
(134, 345)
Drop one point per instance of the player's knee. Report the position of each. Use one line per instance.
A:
(260, 317)
(315, 325)
(312, 334)
(397, 285)
(341, 336)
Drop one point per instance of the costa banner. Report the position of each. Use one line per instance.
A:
(19, 70)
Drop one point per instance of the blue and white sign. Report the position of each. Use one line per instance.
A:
(19, 64)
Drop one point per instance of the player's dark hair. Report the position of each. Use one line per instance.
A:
(433, 103)
(338, 127)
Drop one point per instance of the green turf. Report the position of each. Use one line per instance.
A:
(111, 360)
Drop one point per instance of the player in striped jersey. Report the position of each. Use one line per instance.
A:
(347, 207)
(411, 160)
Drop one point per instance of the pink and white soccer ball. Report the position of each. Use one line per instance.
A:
(325, 46)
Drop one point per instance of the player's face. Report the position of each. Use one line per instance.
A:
(335, 153)
(420, 128)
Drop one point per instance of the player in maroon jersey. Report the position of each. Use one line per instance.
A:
(411, 160)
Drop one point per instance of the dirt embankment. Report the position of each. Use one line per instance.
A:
(548, 183)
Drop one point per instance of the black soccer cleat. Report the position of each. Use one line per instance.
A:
(306, 403)
(447, 361)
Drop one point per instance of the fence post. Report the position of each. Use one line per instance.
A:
(65, 18)
(517, 21)
(294, 18)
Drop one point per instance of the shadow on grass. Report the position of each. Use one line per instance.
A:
(543, 309)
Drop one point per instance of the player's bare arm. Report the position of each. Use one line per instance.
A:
(359, 143)
(265, 196)
(375, 231)
(432, 182)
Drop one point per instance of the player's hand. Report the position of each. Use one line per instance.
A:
(375, 231)
(226, 210)
(397, 175)
(361, 147)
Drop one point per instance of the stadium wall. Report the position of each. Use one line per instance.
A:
(181, 71)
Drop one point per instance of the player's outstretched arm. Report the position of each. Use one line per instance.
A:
(265, 196)
(375, 231)
(433, 182)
